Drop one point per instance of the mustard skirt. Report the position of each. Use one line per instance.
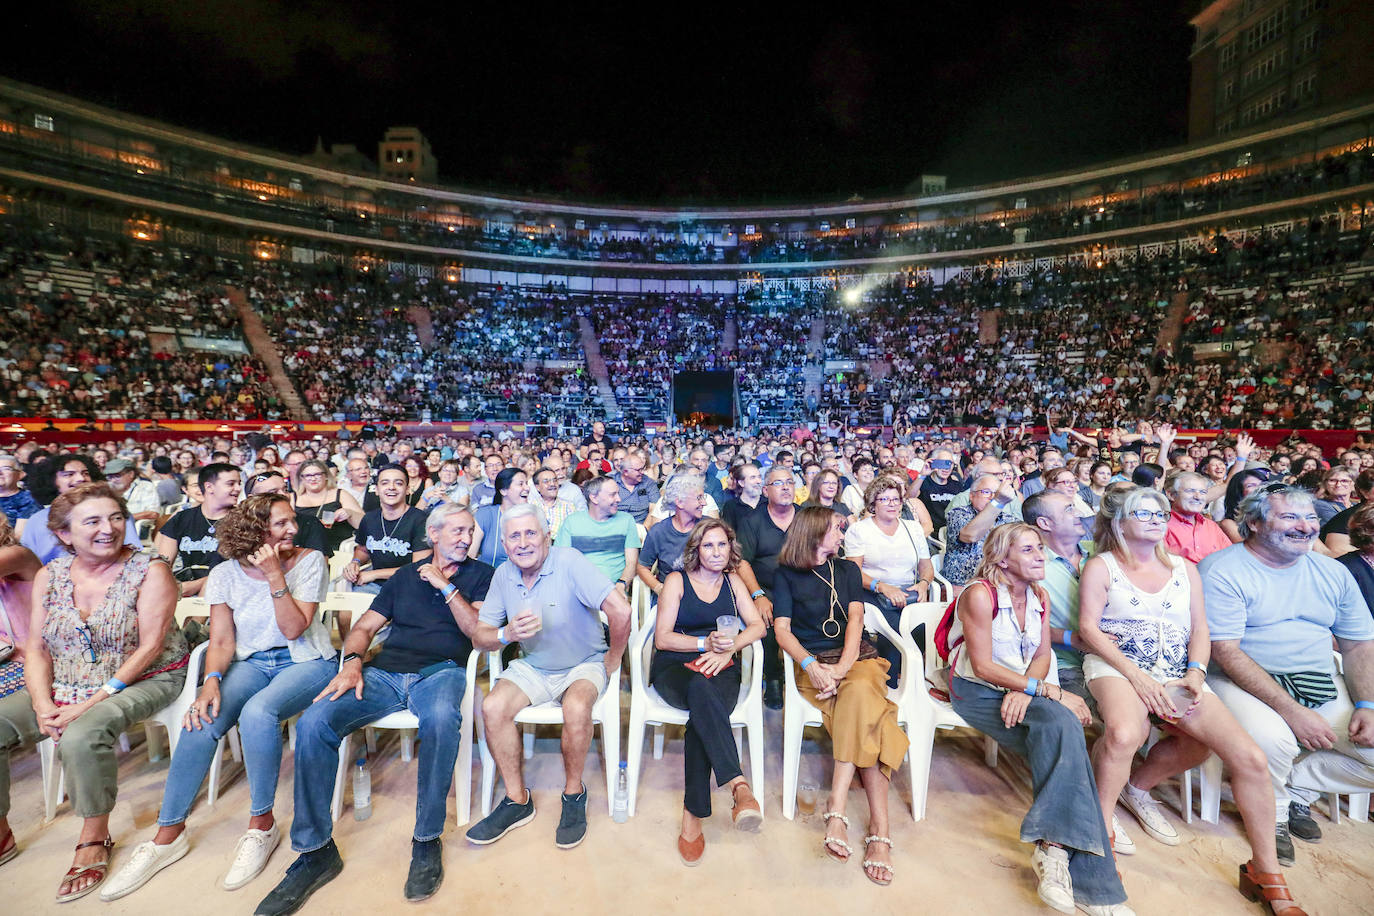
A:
(860, 719)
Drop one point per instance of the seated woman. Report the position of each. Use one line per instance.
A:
(102, 654)
(319, 497)
(512, 489)
(818, 616)
(1241, 485)
(1003, 683)
(448, 487)
(269, 657)
(1360, 559)
(18, 568)
(1142, 618)
(892, 557)
(690, 672)
(825, 492)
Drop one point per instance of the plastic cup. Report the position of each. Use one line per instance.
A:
(1180, 696)
(728, 625)
(536, 612)
(806, 799)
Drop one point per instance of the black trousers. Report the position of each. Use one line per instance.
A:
(710, 745)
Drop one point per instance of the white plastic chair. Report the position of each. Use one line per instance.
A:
(341, 558)
(405, 719)
(926, 712)
(605, 712)
(648, 708)
(191, 606)
(169, 717)
(797, 716)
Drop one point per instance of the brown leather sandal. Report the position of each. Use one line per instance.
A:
(97, 870)
(1257, 884)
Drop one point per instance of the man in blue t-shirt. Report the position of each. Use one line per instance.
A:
(547, 599)
(1273, 607)
(432, 607)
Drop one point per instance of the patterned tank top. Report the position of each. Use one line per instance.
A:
(86, 654)
(1152, 628)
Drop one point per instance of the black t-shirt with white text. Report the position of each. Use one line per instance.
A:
(197, 545)
(391, 543)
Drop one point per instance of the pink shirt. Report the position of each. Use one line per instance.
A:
(1194, 536)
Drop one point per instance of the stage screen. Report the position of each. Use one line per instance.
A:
(705, 398)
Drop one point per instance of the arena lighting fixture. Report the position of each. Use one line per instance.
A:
(224, 428)
(15, 428)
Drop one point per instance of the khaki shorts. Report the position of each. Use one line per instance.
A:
(549, 686)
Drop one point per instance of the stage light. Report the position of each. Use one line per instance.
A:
(853, 296)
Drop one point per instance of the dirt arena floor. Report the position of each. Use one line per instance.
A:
(964, 858)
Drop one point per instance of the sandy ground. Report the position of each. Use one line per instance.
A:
(963, 859)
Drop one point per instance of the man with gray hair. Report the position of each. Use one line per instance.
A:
(432, 606)
(1273, 607)
(685, 497)
(547, 599)
(1191, 533)
(16, 502)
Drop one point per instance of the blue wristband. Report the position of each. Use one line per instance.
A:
(501, 637)
(1199, 666)
(1364, 704)
(807, 661)
(117, 684)
(1032, 686)
(1068, 641)
(218, 674)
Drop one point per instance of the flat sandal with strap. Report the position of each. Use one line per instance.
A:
(829, 843)
(10, 849)
(98, 870)
(885, 866)
(1257, 884)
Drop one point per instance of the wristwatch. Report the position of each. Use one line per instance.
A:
(281, 592)
(349, 657)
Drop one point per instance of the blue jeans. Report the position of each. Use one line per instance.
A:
(1065, 808)
(256, 694)
(435, 700)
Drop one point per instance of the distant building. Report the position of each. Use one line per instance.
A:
(1255, 61)
(404, 153)
(344, 156)
(933, 184)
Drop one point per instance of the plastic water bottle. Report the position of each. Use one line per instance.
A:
(621, 812)
(362, 791)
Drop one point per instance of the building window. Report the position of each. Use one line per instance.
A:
(1263, 68)
(43, 122)
(1226, 125)
(1305, 88)
(1307, 8)
(1306, 44)
(1264, 108)
(1263, 32)
(1228, 91)
(1227, 55)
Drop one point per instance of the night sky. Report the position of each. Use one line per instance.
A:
(665, 103)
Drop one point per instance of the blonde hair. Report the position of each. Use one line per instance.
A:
(1107, 535)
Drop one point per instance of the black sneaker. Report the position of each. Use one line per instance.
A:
(1283, 845)
(506, 817)
(572, 826)
(1301, 824)
(772, 694)
(426, 869)
(310, 872)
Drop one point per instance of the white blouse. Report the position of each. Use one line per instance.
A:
(255, 617)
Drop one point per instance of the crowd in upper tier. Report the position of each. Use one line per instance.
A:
(1105, 584)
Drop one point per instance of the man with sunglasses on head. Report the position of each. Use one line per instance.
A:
(1192, 534)
(940, 486)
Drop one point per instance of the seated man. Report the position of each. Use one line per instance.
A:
(139, 493)
(603, 534)
(548, 497)
(637, 492)
(663, 546)
(187, 541)
(16, 502)
(1192, 534)
(432, 608)
(990, 504)
(546, 598)
(389, 538)
(1273, 607)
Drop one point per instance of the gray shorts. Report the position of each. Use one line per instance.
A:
(549, 686)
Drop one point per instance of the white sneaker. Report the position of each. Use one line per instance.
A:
(1150, 815)
(1051, 864)
(147, 860)
(1106, 909)
(1122, 844)
(250, 856)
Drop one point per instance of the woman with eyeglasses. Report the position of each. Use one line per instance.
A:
(893, 559)
(1063, 480)
(1336, 493)
(1142, 618)
(825, 492)
(1004, 683)
(102, 655)
(269, 658)
(318, 497)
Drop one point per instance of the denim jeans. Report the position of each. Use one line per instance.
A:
(435, 700)
(256, 694)
(1065, 809)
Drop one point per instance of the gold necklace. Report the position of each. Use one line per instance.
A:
(834, 602)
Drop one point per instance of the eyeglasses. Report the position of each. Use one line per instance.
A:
(1144, 515)
(984, 492)
(888, 499)
(85, 634)
(315, 476)
(781, 483)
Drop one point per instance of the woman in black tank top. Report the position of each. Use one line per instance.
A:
(685, 632)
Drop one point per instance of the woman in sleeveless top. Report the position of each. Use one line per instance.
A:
(102, 654)
(1003, 684)
(685, 634)
(336, 510)
(1142, 618)
(818, 615)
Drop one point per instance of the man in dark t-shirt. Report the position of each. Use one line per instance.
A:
(432, 608)
(389, 538)
(761, 535)
(941, 486)
(187, 540)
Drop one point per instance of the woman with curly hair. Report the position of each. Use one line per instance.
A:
(269, 657)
